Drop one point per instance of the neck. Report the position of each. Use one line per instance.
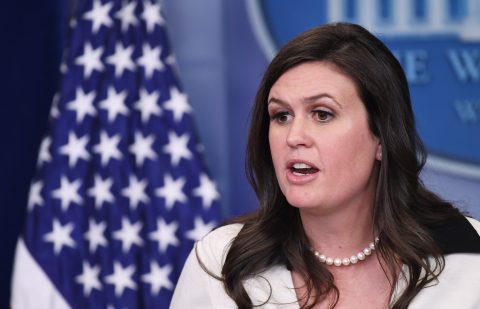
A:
(339, 233)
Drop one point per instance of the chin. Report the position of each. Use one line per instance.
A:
(300, 201)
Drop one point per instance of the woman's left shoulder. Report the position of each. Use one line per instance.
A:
(459, 239)
(458, 234)
(475, 224)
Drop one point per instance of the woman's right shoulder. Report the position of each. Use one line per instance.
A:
(212, 249)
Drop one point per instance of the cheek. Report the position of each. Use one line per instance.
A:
(277, 153)
(352, 155)
(275, 147)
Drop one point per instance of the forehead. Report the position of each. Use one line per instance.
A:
(313, 78)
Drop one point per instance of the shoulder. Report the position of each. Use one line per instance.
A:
(458, 235)
(475, 224)
(199, 285)
(222, 234)
(212, 249)
(220, 238)
(460, 241)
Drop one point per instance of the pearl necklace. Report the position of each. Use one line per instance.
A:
(360, 256)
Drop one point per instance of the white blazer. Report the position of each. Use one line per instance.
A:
(458, 285)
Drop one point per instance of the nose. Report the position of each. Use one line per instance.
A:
(298, 134)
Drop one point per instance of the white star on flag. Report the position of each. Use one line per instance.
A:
(171, 60)
(147, 104)
(95, 235)
(126, 15)
(177, 104)
(177, 147)
(158, 278)
(135, 192)
(89, 278)
(199, 230)
(44, 152)
(99, 15)
(82, 104)
(172, 191)
(60, 236)
(122, 59)
(150, 60)
(35, 195)
(75, 149)
(121, 278)
(101, 191)
(152, 16)
(165, 235)
(90, 60)
(54, 112)
(207, 191)
(129, 234)
(142, 148)
(68, 192)
(63, 67)
(107, 148)
(114, 103)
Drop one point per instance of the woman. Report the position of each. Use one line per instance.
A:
(344, 220)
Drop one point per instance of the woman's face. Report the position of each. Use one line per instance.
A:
(323, 151)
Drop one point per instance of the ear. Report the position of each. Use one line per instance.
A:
(378, 155)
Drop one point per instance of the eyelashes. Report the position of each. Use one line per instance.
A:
(319, 115)
(323, 115)
(281, 117)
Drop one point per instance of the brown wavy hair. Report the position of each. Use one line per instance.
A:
(404, 210)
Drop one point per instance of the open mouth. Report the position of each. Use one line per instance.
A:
(301, 169)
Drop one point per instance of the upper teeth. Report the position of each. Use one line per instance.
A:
(301, 165)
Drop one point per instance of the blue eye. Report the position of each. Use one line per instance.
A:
(323, 115)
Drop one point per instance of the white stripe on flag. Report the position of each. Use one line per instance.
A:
(31, 288)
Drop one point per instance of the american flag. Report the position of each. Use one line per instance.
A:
(121, 191)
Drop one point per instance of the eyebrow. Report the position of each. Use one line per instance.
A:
(307, 100)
